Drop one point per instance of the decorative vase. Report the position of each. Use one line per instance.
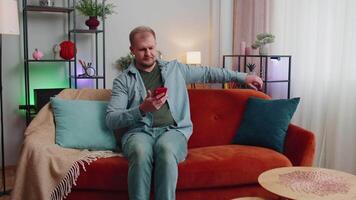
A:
(92, 22)
(263, 50)
(56, 49)
(37, 54)
(67, 51)
(248, 51)
(243, 48)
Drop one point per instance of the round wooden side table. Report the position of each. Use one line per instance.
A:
(309, 183)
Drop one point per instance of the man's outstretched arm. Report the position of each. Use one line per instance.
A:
(254, 82)
(203, 74)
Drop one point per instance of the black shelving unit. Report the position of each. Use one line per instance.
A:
(262, 67)
(75, 31)
(71, 33)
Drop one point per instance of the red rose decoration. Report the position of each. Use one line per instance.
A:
(67, 50)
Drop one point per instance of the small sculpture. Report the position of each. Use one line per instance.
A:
(46, 2)
(56, 49)
(90, 71)
(37, 54)
(87, 69)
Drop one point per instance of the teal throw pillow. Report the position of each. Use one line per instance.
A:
(265, 122)
(80, 124)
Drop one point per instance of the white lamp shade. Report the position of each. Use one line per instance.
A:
(193, 57)
(9, 21)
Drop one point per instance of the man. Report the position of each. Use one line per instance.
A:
(158, 126)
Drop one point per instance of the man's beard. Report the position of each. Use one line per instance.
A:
(148, 65)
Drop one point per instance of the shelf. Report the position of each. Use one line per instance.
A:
(266, 56)
(30, 108)
(276, 81)
(67, 13)
(24, 107)
(49, 60)
(88, 77)
(48, 9)
(263, 66)
(85, 31)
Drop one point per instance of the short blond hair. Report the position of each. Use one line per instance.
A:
(141, 29)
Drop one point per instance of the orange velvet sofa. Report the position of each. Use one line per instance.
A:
(214, 168)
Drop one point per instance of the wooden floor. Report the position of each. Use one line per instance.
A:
(10, 178)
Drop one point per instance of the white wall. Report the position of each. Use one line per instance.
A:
(180, 25)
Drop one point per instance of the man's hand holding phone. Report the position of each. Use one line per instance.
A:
(160, 90)
(154, 101)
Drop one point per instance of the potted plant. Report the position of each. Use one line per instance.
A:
(251, 68)
(94, 10)
(123, 62)
(261, 41)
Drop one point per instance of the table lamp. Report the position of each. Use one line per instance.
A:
(193, 58)
(9, 25)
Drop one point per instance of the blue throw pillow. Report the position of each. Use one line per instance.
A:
(265, 122)
(80, 124)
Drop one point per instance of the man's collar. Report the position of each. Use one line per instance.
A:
(132, 68)
(161, 64)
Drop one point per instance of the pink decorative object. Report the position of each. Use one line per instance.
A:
(242, 48)
(248, 51)
(315, 182)
(37, 54)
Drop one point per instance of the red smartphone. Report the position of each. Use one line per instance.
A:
(160, 90)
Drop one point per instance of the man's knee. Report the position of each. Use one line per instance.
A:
(140, 154)
(170, 148)
(164, 153)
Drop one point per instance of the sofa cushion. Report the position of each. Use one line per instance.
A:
(81, 124)
(265, 122)
(227, 165)
(104, 174)
(216, 114)
(205, 167)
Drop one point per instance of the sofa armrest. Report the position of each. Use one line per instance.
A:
(299, 146)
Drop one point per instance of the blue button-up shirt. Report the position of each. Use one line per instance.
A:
(129, 91)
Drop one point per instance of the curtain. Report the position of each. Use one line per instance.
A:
(321, 37)
(250, 17)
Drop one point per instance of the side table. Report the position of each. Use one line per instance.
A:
(309, 183)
